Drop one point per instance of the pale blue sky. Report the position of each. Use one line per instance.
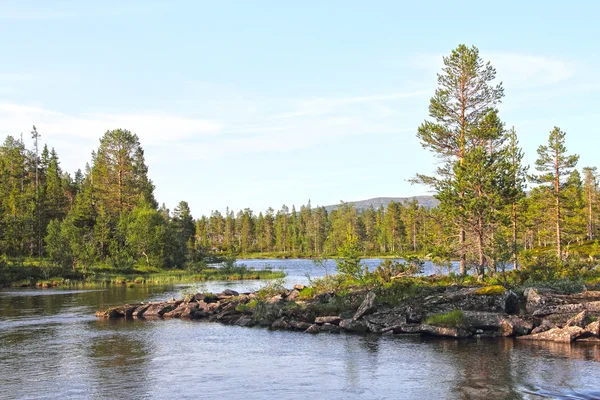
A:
(263, 103)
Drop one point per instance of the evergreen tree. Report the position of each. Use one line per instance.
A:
(465, 95)
(553, 164)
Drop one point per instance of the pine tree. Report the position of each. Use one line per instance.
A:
(463, 98)
(553, 164)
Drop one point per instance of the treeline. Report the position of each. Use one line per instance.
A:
(103, 217)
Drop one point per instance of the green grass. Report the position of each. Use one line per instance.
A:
(452, 319)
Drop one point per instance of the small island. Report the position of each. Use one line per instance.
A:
(445, 311)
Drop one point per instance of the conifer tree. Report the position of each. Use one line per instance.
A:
(553, 164)
(465, 95)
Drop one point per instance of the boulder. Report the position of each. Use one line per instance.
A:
(330, 328)
(367, 306)
(275, 299)
(293, 295)
(229, 293)
(299, 287)
(543, 327)
(314, 328)
(562, 335)
(158, 309)
(444, 331)
(184, 310)
(512, 325)
(593, 328)
(244, 321)
(406, 329)
(466, 299)
(299, 325)
(353, 325)
(139, 312)
(505, 324)
(280, 323)
(333, 319)
(581, 320)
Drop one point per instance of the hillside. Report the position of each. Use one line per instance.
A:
(425, 201)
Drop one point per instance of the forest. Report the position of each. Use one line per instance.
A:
(493, 211)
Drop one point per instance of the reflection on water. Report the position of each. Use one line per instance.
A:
(52, 346)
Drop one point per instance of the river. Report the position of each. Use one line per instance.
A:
(52, 346)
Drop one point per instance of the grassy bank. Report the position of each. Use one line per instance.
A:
(40, 274)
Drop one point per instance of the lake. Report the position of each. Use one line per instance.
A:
(52, 346)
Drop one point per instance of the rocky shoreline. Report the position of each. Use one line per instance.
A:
(534, 314)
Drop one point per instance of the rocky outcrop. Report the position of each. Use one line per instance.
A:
(490, 311)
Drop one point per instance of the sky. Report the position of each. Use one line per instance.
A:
(263, 103)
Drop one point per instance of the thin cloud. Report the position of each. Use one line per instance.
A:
(324, 106)
(152, 128)
(516, 70)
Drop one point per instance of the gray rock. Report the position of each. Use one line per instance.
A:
(562, 335)
(593, 328)
(354, 326)
(330, 328)
(581, 320)
(280, 323)
(367, 306)
(333, 319)
(299, 325)
(444, 331)
(314, 328)
(543, 327)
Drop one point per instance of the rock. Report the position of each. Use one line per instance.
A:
(158, 309)
(444, 331)
(245, 321)
(299, 325)
(384, 321)
(334, 319)
(314, 328)
(562, 335)
(581, 320)
(367, 306)
(198, 314)
(210, 308)
(330, 328)
(324, 297)
(293, 295)
(183, 311)
(353, 325)
(139, 312)
(229, 293)
(572, 308)
(407, 329)
(514, 326)
(280, 323)
(299, 287)
(467, 299)
(505, 324)
(593, 328)
(275, 299)
(543, 327)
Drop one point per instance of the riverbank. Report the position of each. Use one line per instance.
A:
(101, 279)
(448, 311)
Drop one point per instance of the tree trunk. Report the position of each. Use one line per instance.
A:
(514, 236)
(463, 257)
(481, 268)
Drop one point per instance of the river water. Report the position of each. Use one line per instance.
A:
(52, 346)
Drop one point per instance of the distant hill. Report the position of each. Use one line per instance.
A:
(425, 201)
